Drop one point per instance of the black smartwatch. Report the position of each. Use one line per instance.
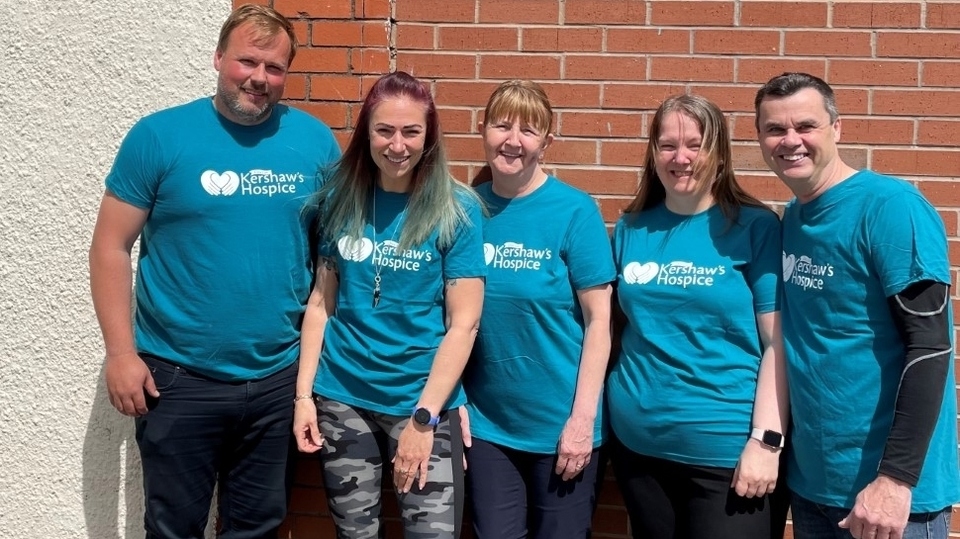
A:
(423, 417)
(769, 438)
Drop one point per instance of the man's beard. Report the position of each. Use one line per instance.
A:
(231, 99)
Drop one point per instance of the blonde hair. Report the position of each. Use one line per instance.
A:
(523, 100)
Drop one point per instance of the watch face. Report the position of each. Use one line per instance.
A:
(422, 416)
(771, 438)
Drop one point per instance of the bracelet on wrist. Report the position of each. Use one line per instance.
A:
(302, 397)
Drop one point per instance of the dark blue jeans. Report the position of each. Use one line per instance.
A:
(202, 431)
(517, 495)
(812, 520)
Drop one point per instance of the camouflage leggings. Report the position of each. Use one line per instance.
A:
(357, 442)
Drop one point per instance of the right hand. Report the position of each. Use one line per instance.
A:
(881, 511)
(575, 447)
(305, 429)
(128, 378)
(756, 471)
(412, 460)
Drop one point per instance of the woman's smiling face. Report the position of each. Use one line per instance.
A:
(397, 136)
(512, 146)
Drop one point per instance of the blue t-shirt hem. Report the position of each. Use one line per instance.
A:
(847, 502)
(466, 275)
(513, 443)
(682, 459)
(124, 197)
(594, 280)
(398, 411)
(245, 375)
(765, 308)
(925, 275)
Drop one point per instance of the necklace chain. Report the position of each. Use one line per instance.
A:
(377, 268)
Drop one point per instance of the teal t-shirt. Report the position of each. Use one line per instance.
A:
(691, 287)
(224, 269)
(378, 357)
(539, 249)
(844, 254)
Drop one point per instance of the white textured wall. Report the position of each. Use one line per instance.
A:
(76, 75)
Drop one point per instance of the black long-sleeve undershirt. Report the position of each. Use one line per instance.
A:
(921, 315)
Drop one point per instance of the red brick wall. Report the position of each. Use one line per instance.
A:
(606, 65)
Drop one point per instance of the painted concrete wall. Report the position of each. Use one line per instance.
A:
(76, 75)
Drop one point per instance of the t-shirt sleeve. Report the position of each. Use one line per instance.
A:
(138, 167)
(464, 257)
(332, 154)
(327, 157)
(587, 249)
(616, 244)
(766, 267)
(907, 242)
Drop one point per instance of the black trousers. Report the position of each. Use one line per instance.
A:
(672, 500)
(203, 432)
(517, 495)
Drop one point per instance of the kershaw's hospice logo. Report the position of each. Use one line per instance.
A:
(514, 256)
(385, 253)
(262, 182)
(804, 273)
(676, 273)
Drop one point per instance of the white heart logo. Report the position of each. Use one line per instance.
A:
(489, 251)
(220, 184)
(789, 263)
(637, 273)
(356, 250)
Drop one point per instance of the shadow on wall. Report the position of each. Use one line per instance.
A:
(111, 472)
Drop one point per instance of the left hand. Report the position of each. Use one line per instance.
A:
(881, 510)
(414, 447)
(574, 448)
(757, 469)
(465, 433)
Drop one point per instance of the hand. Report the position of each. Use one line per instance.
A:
(575, 447)
(881, 510)
(128, 379)
(756, 472)
(414, 447)
(465, 433)
(305, 429)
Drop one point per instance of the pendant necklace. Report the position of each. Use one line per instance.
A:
(393, 238)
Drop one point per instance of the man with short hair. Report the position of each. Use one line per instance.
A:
(216, 190)
(867, 329)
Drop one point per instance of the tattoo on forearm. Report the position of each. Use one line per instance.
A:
(330, 264)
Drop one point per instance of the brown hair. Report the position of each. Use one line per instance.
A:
(267, 22)
(714, 160)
